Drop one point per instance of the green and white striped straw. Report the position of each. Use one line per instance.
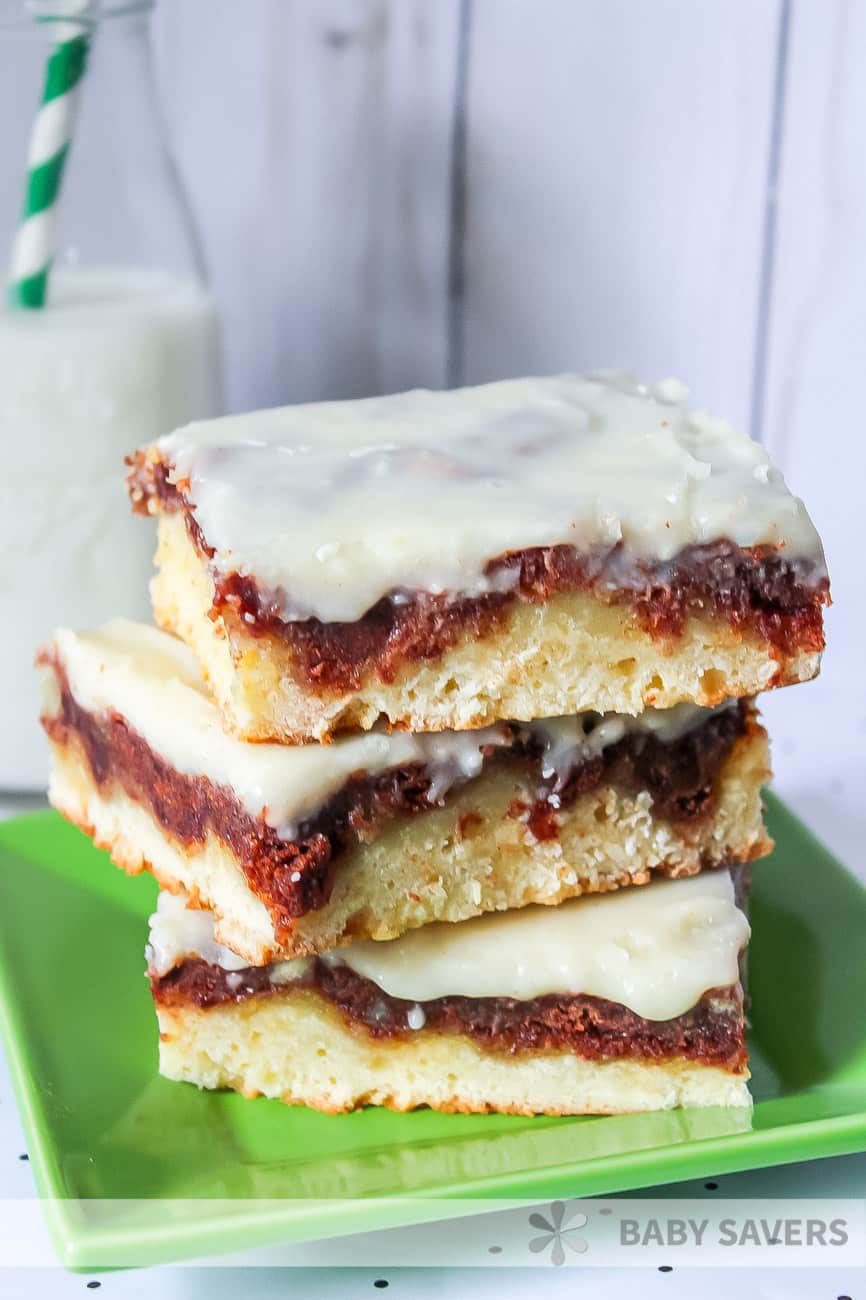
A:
(33, 250)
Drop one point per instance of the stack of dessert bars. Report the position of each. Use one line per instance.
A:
(445, 752)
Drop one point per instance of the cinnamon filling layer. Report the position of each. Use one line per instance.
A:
(592, 1028)
(293, 877)
(759, 589)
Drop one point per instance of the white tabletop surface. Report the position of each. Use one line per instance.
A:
(819, 744)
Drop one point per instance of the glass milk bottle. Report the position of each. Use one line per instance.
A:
(126, 347)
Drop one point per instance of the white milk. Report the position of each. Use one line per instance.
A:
(117, 357)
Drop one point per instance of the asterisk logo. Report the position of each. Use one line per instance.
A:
(556, 1235)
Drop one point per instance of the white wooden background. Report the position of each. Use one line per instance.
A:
(399, 192)
(405, 191)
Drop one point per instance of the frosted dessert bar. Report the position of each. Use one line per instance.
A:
(298, 849)
(622, 1002)
(525, 549)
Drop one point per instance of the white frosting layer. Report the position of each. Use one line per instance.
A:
(654, 948)
(178, 932)
(152, 680)
(336, 504)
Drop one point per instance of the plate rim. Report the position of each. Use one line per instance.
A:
(81, 1246)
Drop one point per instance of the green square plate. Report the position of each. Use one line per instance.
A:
(101, 1125)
